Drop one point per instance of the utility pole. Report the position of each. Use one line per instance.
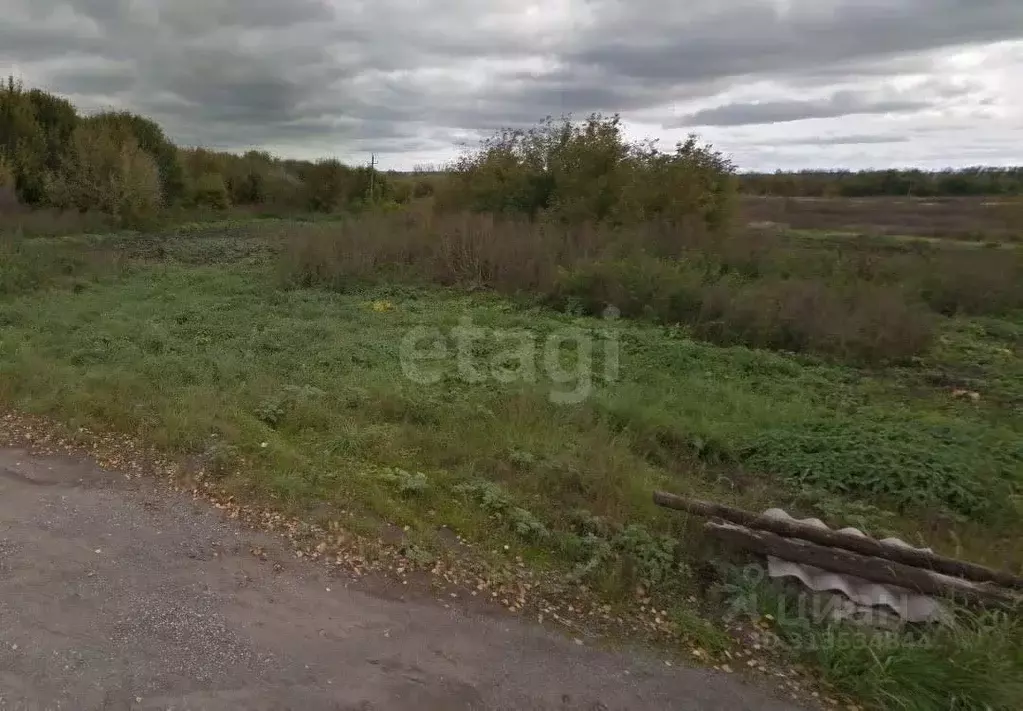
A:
(372, 178)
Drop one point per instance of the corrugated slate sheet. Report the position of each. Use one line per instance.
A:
(864, 596)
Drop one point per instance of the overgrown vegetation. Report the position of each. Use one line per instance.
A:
(982, 221)
(123, 166)
(979, 180)
(870, 380)
(575, 173)
(971, 663)
(855, 303)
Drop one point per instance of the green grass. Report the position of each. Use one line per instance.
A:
(898, 239)
(185, 340)
(972, 663)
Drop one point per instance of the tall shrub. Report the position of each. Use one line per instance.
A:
(106, 172)
(211, 190)
(23, 141)
(151, 139)
(574, 172)
(8, 193)
(327, 184)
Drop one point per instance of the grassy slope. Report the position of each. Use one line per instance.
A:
(181, 352)
(215, 359)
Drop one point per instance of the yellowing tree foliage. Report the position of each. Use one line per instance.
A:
(108, 172)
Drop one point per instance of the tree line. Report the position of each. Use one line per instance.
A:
(124, 165)
(965, 182)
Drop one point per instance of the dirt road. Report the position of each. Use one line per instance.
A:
(117, 595)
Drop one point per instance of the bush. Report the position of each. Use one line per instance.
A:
(863, 323)
(150, 138)
(326, 185)
(107, 173)
(6, 173)
(587, 172)
(909, 464)
(423, 188)
(974, 283)
(8, 186)
(660, 271)
(666, 291)
(210, 190)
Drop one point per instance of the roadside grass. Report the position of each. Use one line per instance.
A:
(974, 662)
(298, 395)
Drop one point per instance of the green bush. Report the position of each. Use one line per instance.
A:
(588, 172)
(423, 188)
(726, 290)
(8, 185)
(35, 132)
(210, 190)
(667, 291)
(6, 173)
(497, 502)
(150, 138)
(107, 173)
(860, 323)
(256, 179)
(327, 184)
(909, 464)
(974, 283)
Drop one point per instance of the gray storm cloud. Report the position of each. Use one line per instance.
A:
(411, 78)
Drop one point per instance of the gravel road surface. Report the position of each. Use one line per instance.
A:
(115, 594)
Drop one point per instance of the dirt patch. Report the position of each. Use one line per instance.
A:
(126, 596)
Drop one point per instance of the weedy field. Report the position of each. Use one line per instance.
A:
(321, 366)
(991, 219)
(523, 347)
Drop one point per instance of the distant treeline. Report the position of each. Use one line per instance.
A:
(870, 183)
(123, 164)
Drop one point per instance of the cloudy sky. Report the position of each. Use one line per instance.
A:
(774, 83)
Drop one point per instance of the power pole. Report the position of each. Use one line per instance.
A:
(372, 177)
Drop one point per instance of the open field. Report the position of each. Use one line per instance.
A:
(520, 349)
(276, 354)
(980, 219)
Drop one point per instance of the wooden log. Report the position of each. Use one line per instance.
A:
(877, 570)
(828, 537)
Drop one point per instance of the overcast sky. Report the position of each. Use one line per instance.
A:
(774, 83)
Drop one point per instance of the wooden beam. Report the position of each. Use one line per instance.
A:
(876, 570)
(828, 537)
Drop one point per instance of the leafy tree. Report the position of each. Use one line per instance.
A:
(151, 139)
(586, 171)
(327, 185)
(895, 183)
(108, 172)
(23, 141)
(210, 190)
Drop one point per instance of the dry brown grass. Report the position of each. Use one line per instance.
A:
(866, 323)
(32, 223)
(760, 290)
(959, 218)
